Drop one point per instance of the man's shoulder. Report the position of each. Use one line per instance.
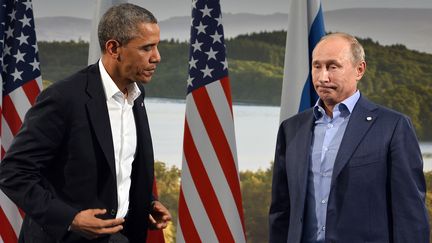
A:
(299, 117)
(77, 80)
(380, 109)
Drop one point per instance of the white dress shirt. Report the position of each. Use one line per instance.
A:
(123, 132)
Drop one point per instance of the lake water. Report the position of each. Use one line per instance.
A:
(255, 127)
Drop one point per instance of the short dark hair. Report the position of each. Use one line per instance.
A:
(121, 22)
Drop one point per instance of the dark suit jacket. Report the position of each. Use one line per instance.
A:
(62, 161)
(377, 192)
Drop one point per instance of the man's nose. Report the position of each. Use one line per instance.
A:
(156, 57)
(323, 75)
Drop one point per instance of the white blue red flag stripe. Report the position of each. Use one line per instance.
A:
(305, 29)
(22, 82)
(210, 204)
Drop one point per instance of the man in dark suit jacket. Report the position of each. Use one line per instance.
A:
(347, 170)
(81, 166)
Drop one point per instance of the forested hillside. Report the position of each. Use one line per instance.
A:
(396, 77)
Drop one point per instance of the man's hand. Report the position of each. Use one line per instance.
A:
(159, 216)
(89, 226)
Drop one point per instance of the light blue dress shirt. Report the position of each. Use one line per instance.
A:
(327, 137)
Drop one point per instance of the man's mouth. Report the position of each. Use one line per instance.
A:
(148, 72)
(325, 87)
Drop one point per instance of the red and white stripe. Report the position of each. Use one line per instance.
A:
(13, 109)
(210, 205)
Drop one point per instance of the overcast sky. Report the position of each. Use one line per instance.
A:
(164, 9)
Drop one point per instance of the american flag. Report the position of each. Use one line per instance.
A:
(22, 82)
(210, 204)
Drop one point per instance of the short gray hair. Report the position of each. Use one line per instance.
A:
(121, 23)
(357, 51)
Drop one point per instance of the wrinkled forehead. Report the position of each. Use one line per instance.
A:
(331, 48)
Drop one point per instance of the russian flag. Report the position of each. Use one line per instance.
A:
(305, 29)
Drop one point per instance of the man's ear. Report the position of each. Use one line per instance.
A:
(361, 69)
(112, 48)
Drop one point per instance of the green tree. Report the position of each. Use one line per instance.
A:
(256, 193)
(60, 59)
(397, 99)
(168, 185)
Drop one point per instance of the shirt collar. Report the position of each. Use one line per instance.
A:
(111, 88)
(345, 107)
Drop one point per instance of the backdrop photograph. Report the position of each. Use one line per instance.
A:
(220, 92)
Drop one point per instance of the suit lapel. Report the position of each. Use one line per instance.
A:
(144, 141)
(142, 167)
(98, 114)
(362, 118)
(302, 151)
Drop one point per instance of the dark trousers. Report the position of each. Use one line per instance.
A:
(118, 238)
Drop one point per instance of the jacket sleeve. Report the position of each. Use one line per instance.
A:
(407, 186)
(30, 157)
(279, 214)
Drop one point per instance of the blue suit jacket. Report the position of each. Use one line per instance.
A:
(377, 193)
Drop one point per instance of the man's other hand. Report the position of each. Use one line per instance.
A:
(89, 226)
(159, 216)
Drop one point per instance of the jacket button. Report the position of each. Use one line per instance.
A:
(113, 212)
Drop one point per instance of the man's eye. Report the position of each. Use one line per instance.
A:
(146, 48)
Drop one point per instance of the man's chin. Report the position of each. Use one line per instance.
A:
(324, 95)
(145, 80)
(328, 99)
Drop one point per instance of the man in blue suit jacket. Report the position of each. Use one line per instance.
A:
(347, 170)
(81, 166)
